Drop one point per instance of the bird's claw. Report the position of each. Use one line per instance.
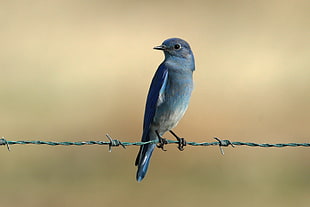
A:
(182, 143)
(161, 143)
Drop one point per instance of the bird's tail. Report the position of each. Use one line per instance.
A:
(143, 160)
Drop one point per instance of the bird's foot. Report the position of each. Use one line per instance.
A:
(161, 142)
(182, 142)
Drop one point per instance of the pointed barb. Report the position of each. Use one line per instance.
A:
(114, 143)
(223, 143)
(4, 142)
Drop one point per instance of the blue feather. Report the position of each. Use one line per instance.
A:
(156, 89)
(168, 97)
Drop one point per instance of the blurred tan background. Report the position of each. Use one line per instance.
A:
(75, 70)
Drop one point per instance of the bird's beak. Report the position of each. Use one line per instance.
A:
(160, 47)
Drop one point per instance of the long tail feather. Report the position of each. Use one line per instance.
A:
(143, 160)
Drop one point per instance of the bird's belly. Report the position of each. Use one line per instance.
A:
(167, 117)
(173, 104)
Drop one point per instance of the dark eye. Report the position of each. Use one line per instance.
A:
(177, 46)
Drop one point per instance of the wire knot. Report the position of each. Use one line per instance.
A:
(114, 143)
(4, 142)
(223, 143)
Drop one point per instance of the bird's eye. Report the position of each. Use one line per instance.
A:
(177, 46)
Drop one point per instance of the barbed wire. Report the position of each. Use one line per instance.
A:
(116, 143)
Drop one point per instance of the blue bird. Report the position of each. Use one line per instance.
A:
(167, 99)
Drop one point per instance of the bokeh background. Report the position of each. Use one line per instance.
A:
(76, 70)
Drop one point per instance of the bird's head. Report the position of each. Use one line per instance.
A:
(175, 47)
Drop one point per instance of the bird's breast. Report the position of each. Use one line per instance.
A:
(173, 103)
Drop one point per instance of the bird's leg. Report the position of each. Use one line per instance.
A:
(161, 141)
(182, 141)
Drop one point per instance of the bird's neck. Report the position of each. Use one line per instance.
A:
(180, 64)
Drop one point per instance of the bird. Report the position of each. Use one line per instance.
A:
(167, 100)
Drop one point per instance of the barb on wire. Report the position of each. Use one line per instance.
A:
(224, 143)
(116, 143)
(4, 142)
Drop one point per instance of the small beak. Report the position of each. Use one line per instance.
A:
(160, 47)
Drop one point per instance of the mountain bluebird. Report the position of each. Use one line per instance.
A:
(167, 100)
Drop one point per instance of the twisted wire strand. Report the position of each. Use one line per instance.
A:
(115, 143)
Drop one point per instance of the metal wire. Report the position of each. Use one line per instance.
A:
(116, 143)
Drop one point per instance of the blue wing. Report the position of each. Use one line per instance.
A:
(155, 92)
(154, 97)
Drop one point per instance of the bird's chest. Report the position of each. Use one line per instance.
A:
(176, 95)
(173, 103)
